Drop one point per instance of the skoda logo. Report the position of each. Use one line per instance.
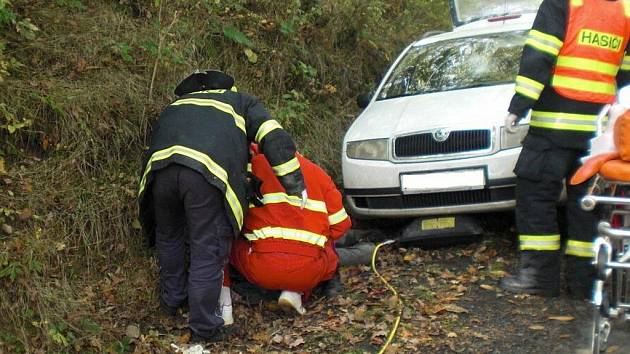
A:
(441, 135)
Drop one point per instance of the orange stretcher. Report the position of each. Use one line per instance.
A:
(611, 190)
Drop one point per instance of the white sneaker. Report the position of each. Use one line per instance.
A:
(290, 300)
(225, 305)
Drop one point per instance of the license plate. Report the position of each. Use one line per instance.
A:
(457, 180)
(437, 224)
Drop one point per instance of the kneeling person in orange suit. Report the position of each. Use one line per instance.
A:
(286, 245)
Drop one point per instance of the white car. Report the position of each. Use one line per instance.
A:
(431, 140)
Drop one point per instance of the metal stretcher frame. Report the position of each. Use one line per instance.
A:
(611, 293)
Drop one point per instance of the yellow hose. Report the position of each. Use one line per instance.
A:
(392, 333)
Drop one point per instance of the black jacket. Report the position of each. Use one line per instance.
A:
(538, 65)
(210, 131)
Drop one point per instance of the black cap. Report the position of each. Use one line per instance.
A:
(204, 80)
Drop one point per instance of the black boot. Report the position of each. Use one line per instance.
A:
(360, 253)
(215, 335)
(524, 283)
(580, 274)
(167, 310)
(539, 274)
(334, 286)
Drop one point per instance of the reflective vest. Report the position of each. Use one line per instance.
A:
(281, 218)
(593, 50)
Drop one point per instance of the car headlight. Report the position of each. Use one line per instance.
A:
(375, 149)
(513, 140)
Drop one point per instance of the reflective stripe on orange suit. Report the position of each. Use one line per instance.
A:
(286, 264)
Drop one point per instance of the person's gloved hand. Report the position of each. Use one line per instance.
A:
(510, 123)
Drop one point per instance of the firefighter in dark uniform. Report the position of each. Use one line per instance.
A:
(574, 57)
(193, 189)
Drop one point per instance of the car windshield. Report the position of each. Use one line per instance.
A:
(456, 64)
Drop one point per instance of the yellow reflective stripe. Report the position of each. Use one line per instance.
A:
(544, 42)
(528, 87)
(626, 7)
(211, 91)
(209, 164)
(580, 249)
(234, 89)
(539, 242)
(287, 167)
(592, 86)
(587, 65)
(224, 107)
(287, 234)
(249, 167)
(311, 204)
(337, 217)
(564, 121)
(577, 2)
(625, 65)
(266, 128)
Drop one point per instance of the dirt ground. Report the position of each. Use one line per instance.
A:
(452, 304)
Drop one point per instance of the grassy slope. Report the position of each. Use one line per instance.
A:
(92, 76)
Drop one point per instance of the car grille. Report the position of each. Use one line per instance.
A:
(432, 200)
(457, 141)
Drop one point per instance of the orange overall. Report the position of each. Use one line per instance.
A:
(284, 246)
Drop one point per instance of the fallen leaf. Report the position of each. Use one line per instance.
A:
(277, 338)
(392, 301)
(612, 349)
(487, 287)
(96, 343)
(562, 318)
(452, 335)
(536, 327)
(185, 338)
(25, 214)
(2, 168)
(27, 187)
(259, 337)
(359, 313)
(136, 224)
(455, 309)
(60, 246)
(251, 56)
(480, 336)
(498, 273)
(298, 341)
(409, 257)
(7, 229)
(81, 64)
(330, 88)
(133, 331)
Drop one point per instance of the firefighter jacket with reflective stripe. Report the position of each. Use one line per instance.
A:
(210, 132)
(281, 223)
(548, 68)
(593, 50)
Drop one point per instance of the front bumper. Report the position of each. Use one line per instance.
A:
(411, 205)
(373, 190)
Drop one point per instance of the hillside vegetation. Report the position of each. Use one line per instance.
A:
(81, 81)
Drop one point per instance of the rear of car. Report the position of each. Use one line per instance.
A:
(431, 140)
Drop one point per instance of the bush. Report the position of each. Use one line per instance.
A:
(80, 84)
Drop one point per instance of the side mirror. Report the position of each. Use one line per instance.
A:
(363, 100)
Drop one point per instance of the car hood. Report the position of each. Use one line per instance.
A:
(481, 107)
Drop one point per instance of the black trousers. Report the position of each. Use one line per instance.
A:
(541, 170)
(190, 212)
